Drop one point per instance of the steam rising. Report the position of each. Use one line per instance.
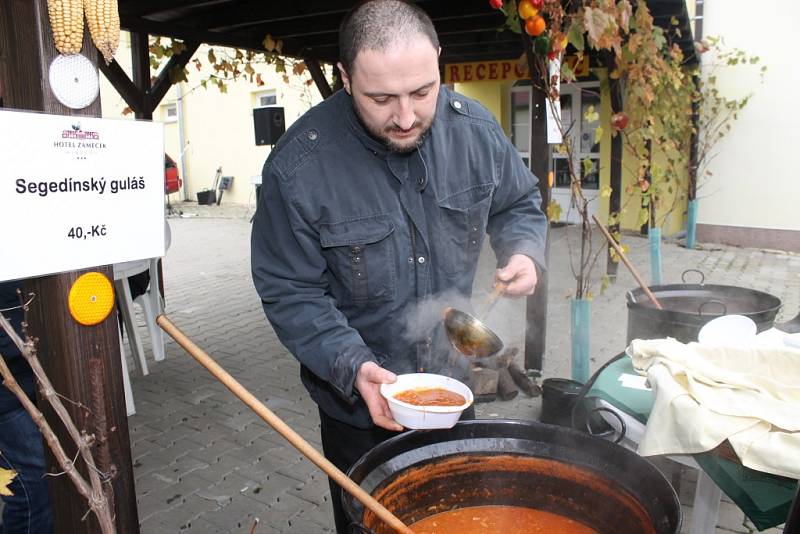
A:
(423, 322)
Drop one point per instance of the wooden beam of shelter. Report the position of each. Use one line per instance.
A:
(180, 31)
(159, 7)
(163, 81)
(290, 18)
(139, 94)
(140, 67)
(124, 86)
(319, 77)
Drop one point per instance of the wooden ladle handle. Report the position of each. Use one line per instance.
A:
(499, 289)
(494, 296)
(281, 427)
(628, 264)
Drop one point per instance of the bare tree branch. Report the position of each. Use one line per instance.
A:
(93, 490)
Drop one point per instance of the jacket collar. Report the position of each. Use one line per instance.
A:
(369, 142)
(354, 123)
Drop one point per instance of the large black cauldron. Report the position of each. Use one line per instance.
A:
(687, 307)
(515, 463)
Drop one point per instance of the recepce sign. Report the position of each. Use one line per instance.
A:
(78, 192)
(492, 71)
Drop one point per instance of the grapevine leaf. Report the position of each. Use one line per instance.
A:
(605, 282)
(575, 36)
(6, 477)
(643, 218)
(598, 134)
(588, 166)
(553, 211)
(567, 74)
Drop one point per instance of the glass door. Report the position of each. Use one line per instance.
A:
(580, 116)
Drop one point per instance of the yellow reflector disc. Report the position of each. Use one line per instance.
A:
(91, 298)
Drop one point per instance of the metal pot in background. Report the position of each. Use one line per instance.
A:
(687, 307)
(517, 463)
(558, 400)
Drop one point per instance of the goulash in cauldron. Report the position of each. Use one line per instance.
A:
(505, 519)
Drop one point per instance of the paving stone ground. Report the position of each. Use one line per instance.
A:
(203, 462)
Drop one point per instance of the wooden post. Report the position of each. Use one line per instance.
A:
(615, 169)
(540, 165)
(83, 363)
(140, 63)
(318, 76)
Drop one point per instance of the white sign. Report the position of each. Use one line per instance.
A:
(78, 192)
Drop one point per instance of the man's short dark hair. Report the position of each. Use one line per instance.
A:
(380, 24)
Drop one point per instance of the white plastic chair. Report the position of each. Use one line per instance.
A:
(152, 305)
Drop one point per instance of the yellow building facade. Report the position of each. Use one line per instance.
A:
(585, 107)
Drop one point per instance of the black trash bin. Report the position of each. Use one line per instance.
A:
(206, 197)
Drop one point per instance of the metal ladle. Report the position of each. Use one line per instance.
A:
(468, 334)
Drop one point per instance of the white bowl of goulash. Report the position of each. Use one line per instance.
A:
(424, 400)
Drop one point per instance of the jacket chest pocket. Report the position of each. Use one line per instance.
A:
(361, 258)
(462, 227)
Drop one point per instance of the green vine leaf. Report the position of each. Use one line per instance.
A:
(553, 211)
(605, 283)
(575, 35)
(598, 134)
(512, 22)
(588, 166)
(567, 74)
(591, 115)
(643, 217)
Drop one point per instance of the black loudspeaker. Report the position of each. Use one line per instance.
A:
(268, 124)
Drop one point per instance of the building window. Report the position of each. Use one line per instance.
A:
(170, 112)
(265, 99)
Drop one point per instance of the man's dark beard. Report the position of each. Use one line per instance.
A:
(381, 136)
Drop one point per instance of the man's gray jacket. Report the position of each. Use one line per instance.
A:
(349, 238)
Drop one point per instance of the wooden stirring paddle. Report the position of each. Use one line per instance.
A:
(628, 264)
(282, 428)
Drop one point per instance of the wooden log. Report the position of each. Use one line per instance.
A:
(523, 382)
(506, 388)
(484, 384)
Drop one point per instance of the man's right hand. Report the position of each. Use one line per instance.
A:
(368, 382)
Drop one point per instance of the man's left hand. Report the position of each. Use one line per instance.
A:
(520, 275)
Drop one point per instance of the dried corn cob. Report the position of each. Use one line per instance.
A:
(102, 17)
(66, 21)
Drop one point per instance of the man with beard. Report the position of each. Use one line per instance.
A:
(374, 201)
